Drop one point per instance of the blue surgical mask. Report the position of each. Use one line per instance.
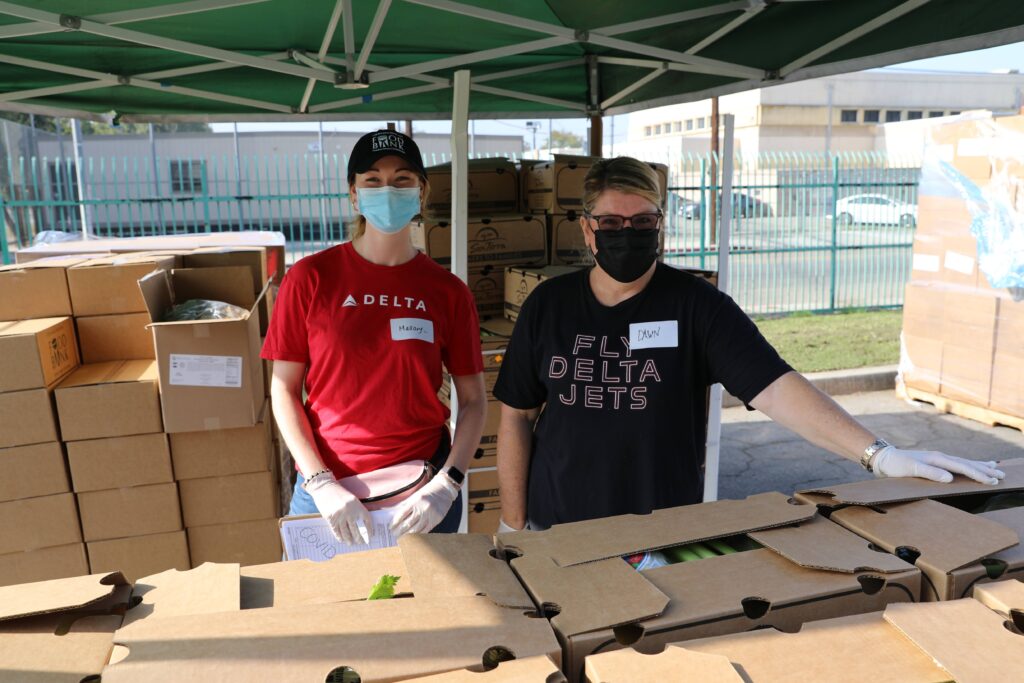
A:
(388, 209)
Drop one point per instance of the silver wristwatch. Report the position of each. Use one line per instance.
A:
(868, 457)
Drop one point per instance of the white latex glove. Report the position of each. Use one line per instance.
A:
(894, 462)
(341, 509)
(504, 528)
(424, 509)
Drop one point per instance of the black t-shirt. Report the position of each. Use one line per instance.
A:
(625, 390)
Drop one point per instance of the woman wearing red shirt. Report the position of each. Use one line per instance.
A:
(365, 327)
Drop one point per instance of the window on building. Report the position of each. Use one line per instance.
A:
(953, 113)
(186, 176)
(647, 131)
(848, 116)
(936, 114)
(677, 127)
(871, 116)
(689, 124)
(657, 129)
(913, 115)
(891, 116)
(700, 122)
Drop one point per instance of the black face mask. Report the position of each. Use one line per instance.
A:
(626, 254)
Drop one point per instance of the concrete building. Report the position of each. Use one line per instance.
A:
(839, 113)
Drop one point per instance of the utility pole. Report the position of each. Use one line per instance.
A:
(713, 205)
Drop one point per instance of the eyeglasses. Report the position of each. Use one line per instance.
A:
(640, 221)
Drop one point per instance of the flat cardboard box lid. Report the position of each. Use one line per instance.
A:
(122, 260)
(207, 588)
(903, 489)
(35, 326)
(820, 544)
(381, 640)
(52, 262)
(671, 664)
(527, 670)
(616, 537)
(111, 372)
(1004, 597)
(966, 638)
(945, 537)
(57, 595)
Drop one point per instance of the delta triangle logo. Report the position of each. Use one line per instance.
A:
(349, 301)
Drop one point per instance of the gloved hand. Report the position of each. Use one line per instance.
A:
(504, 528)
(424, 509)
(894, 462)
(341, 509)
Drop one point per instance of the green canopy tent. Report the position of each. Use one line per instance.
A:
(232, 60)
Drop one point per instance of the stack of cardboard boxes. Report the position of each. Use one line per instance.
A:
(963, 315)
(164, 427)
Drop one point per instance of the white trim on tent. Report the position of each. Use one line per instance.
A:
(747, 15)
(371, 37)
(325, 46)
(632, 87)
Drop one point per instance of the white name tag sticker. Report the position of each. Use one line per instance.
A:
(403, 329)
(205, 371)
(656, 335)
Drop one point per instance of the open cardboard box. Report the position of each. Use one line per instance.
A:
(467, 609)
(807, 569)
(211, 374)
(60, 631)
(529, 670)
(931, 525)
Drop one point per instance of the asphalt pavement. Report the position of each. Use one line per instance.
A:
(758, 455)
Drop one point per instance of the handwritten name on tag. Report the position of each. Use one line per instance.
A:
(403, 329)
(654, 335)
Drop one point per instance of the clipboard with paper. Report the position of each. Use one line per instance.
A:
(308, 537)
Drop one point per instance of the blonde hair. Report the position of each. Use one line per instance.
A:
(360, 226)
(624, 174)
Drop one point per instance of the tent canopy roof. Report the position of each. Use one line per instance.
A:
(364, 59)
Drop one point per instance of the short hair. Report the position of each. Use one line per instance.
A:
(624, 174)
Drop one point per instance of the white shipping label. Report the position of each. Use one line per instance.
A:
(206, 371)
(926, 262)
(960, 263)
(403, 329)
(654, 335)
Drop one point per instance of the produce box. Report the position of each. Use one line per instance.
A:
(483, 501)
(131, 511)
(36, 354)
(139, 556)
(119, 462)
(492, 184)
(556, 186)
(932, 526)
(43, 564)
(42, 522)
(800, 568)
(116, 398)
(498, 240)
(32, 471)
(27, 417)
(520, 283)
(123, 336)
(252, 542)
(106, 285)
(36, 290)
(221, 500)
(223, 452)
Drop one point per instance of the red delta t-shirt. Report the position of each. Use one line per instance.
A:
(374, 339)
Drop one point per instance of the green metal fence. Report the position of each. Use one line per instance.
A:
(811, 232)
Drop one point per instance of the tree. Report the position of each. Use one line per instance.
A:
(563, 139)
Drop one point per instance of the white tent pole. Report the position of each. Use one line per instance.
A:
(76, 141)
(714, 442)
(460, 215)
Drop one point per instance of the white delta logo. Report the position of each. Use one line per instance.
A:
(387, 301)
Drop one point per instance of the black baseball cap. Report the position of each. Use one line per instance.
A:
(382, 143)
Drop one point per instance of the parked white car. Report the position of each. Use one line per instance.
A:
(875, 209)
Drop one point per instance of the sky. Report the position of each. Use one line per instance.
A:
(1003, 58)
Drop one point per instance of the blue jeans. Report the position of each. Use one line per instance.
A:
(302, 504)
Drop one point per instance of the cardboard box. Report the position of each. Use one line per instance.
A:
(509, 239)
(247, 543)
(483, 501)
(140, 556)
(27, 417)
(223, 452)
(43, 564)
(36, 290)
(36, 353)
(211, 374)
(221, 500)
(115, 337)
(60, 630)
(41, 522)
(106, 285)
(118, 462)
(465, 597)
(488, 289)
(1007, 390)
(254, 258)
(565, 236)
(926, 524)
(556, 186)
(131, 511)
(520, 282)
(629, 666)
(117, 398)
(487, 452)
(493, 187)
(1009, 327)
(32, 471)
(528, 670)
(815, 570)
(966, 374)
(920, 362)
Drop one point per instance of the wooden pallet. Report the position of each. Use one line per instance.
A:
(961, 408)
